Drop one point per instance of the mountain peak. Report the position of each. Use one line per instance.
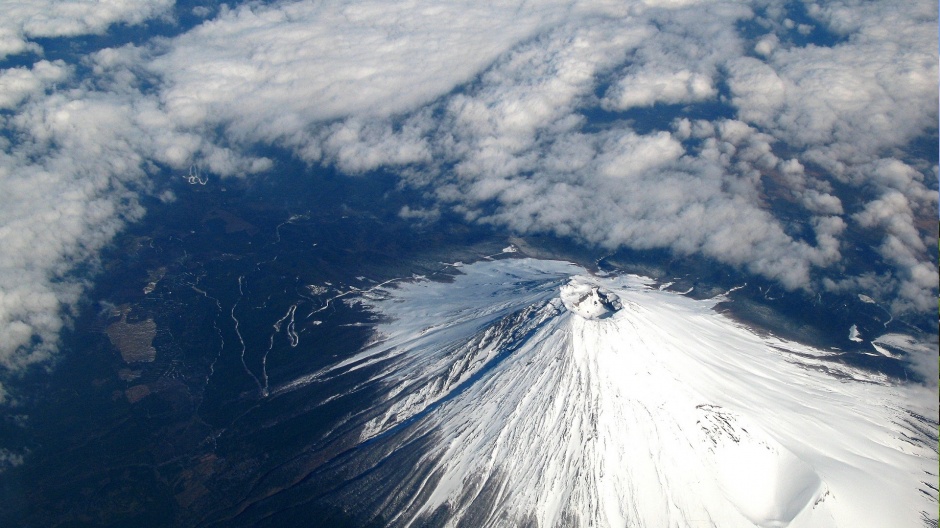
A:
(589, 300)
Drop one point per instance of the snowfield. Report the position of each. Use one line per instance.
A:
(544, 395)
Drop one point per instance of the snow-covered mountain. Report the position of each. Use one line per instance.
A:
(529, 392)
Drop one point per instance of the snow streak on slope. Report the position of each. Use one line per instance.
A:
(529, 393)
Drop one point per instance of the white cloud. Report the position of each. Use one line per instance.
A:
(759, 93)
(356, 146)
(18, 84)
(902, 245)
(22, 21)
(520, 160)
(845, 103)
(669, 87)
(71, 169)
(58, 210)
(678, 61)
(372, 85)
(849, 106)
(269, 72)
(489, 106)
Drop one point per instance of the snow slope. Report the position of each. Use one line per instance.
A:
(544, 396)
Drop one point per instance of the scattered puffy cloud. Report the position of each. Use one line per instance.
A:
(852, 109)
(903, 246)
(29, 19)
(65, 194)
(514, 152)
(518, 115)
(679, 61)
(669, 87)
(420, 215)
(73, 163)
(18, 84)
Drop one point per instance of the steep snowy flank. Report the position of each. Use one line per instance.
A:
(531, 393)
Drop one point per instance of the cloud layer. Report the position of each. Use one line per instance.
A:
(25, 20)
(520, 115)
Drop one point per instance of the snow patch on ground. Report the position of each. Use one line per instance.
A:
(854, 335)
(765, 481)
